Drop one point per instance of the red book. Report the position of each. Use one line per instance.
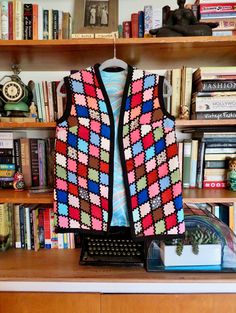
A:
(10, 20)
(47, 228)
(126, 29)
(134, 25)
(218, 7)
(214, 184)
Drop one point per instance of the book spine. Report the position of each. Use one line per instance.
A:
(31, 229)
(148, 22)
(41, 228)
(216, 1)
(60, 25)
(4, 21)
(47, 231)
(55, 24)
(38, 102)
(35, 21)
(19, 20)
(0, 21)
(22, 226)
(50, 101)
(217, 8)
(214, 115)
(54, 99)
(134, 25)
(10, 20)
(193, 163)
(215, 104)
(28, 21)
(41, 162)
(17, 226)
(40, 22)
(6, 144)
(224, 33)
(50, 25)
(218, 15)
(17, 155)
(65, 25)
(215, 164)
(25, 161)
(186, 163)
(45, 25)
(27, 228)
(214, 184)
(216, 85)
(141, 24)
(35, 229)
(126, 29)
(156, 17)
(176, 92)
(34, 161)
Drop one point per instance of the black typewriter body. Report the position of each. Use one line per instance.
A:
(116, 248)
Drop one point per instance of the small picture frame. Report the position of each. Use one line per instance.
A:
(95, 16)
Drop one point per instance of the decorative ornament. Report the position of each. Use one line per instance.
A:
(18, 182)
(231, 175)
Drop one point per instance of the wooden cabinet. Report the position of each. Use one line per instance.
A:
(29, 302)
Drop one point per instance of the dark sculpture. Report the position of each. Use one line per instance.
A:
(182, 22)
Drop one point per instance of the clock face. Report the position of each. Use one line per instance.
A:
(12, 91)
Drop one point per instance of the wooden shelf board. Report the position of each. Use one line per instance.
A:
(203, 123)
(189, 195)
(12, 196)
(27, 125)
(179, 124)
(63, 265)
(154, 53)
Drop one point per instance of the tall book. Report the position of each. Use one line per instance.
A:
(26, 161)
(187, 163)
(28, 21)
(176, 92)
(4, 20)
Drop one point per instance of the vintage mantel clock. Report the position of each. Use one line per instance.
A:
(15, 95)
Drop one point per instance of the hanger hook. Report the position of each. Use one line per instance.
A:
(114, 47)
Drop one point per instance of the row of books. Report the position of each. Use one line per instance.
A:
(214, 93)
(218, 11)
(32, 227)
(204, 159)
(204, 93)
(32, 157)
(141, 22)
(50, 104)
(31, 21)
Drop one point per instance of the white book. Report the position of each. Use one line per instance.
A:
(4, 21)
(41, 94)
(176, 92)
(60, 241)
(156, 17)
(215, 104)
(19, 20)
(50, 102)
(50, 37)
(17, 226)
(27, 223)
(59, 24)
(40, 22)
(38, 102)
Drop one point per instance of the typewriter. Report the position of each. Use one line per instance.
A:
(117, 248)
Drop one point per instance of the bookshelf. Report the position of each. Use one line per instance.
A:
(45, 268)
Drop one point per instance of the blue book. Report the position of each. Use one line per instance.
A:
(141, 24)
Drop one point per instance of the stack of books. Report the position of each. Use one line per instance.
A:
(220, 11)
(214, 94)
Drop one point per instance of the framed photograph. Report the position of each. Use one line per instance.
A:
(95, 16)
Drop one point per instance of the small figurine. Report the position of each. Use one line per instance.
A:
(182, 22)
(231, 175)
(18, 182)
(33, 110)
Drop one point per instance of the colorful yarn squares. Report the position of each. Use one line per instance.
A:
(147, 95)
(139, 159)
(62, 209)
(153, 190)
(80, 99)
(92, 103)
(149, 81)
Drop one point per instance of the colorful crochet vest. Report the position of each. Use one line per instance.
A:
(148, 151)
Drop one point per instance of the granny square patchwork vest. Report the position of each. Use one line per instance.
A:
(148, 151)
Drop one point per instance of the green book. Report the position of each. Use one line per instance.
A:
(187, 163)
